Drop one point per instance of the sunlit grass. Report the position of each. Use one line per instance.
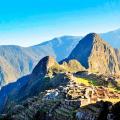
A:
(89, 82)
(83, 81)
(86, 81)
(113, 100)
(112, 89)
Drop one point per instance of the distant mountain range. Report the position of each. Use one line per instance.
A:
(16, 61)
(91, 54)
(112, 37)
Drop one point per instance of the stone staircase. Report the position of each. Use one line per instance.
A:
(90, 112)
(66, 110)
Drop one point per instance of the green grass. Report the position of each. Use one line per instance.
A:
(90, 82)
(94, 82)
(82, 81)
(86, 81)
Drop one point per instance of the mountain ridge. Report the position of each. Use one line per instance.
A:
(23, 59)
(59, 47)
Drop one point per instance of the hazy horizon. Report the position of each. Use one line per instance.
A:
(28, 23)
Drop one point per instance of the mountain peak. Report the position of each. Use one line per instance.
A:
(83, 49)
(92, 34)
(96, 55)
(43, 66)
(93, 37)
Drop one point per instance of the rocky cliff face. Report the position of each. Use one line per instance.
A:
(117, 51)
(73, 66)
(96, 55)
(43, 66)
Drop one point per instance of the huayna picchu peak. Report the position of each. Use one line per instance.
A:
(96, 55)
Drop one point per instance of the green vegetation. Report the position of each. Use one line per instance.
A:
(82, 81)
(56, 69)
(86, 81)
(91, 82)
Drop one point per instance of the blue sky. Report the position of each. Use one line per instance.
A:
(29, 22)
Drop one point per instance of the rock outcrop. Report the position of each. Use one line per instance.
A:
(73, 66)
(43, 66)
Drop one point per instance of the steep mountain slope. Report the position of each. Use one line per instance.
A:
(117, 51)
(6, 72)
(112, 37)
(17, 61)
(95, 54)
(21, 61)
(33, 81)
(47, 73)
